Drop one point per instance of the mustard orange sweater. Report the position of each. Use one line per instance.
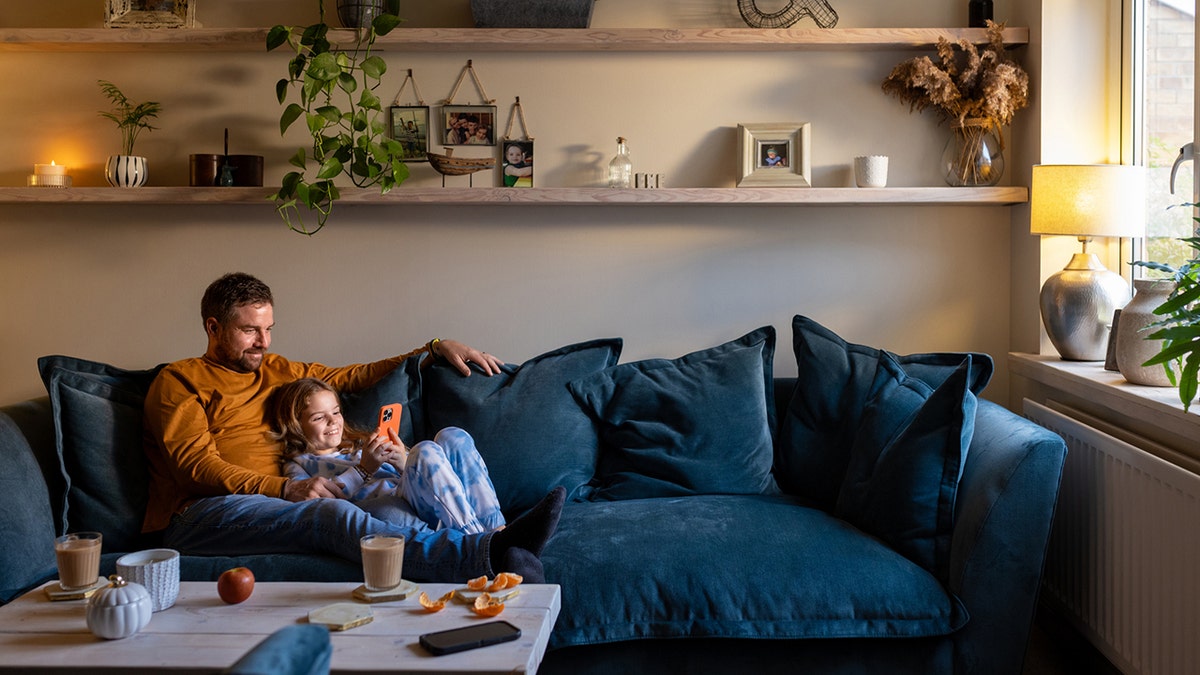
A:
(207, 433)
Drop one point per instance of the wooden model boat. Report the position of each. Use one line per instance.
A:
(448, 165)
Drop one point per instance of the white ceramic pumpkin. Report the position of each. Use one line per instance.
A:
(119, 610)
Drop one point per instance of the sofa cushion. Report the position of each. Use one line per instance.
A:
(698, 424)
(733, 566)
(527, 427)
(27, 557)
(833, 382)
(906, 460)
(402, 385)
(97, 412)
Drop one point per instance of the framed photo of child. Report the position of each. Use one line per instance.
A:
(410, 128)
(774, 155)
(469, 125)
(517, 163)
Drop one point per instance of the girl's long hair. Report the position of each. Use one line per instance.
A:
(284, 411)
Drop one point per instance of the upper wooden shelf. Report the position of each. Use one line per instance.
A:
(931, 196)
(504, 39)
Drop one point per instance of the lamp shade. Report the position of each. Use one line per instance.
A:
(1088, 200)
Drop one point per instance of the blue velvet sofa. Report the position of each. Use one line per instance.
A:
(869, 515)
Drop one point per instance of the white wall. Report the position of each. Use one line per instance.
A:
(122, 284)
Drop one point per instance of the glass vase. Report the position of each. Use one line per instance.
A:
(974, 155)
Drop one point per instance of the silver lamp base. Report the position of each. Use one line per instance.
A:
(1078, 305)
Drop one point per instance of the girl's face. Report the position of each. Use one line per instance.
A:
(321, 420)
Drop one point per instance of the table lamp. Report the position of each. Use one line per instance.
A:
(1096, 200)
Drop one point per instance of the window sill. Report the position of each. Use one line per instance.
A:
(1149, 417)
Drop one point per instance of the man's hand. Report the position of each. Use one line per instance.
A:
(459, 355)
(311, 488)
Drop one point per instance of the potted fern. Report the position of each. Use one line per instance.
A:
(345, 119)
(1179, 328)
(127, 169)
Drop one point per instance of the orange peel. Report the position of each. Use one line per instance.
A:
(433, 605)
(486, 605)
(478, 583)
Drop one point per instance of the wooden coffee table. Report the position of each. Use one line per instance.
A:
(201, 634)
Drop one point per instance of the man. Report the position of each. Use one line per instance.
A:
(216, 484)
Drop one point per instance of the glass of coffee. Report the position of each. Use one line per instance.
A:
(78, 556)
(382, 561)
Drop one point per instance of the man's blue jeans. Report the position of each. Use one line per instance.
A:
(255, 524)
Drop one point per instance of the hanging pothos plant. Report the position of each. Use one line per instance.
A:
(343, 115)
(1179, 328)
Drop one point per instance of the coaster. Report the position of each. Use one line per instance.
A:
(468, 596)
(401, 592)
(341, 616)
(56, 593)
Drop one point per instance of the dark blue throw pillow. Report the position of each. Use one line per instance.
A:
(403, 386)
(906, 460)
(527, 427)
(699, 424)
(98, 432)
(833, 382)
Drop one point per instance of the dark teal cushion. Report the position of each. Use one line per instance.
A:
(303, 649)
(97, 412)
(833, 382)
(906, 460)
(699, 424)
(27, 526)
(527, 427)
(403, 386)
(734, 566)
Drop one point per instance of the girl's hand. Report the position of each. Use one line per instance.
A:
(377, 451)
(399, 455)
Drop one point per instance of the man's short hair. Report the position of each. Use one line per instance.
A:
(236, 289)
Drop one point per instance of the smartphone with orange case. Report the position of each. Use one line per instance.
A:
(389, 418)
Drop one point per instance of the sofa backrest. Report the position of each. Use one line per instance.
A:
(28, 526)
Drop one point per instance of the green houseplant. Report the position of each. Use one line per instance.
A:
(343, 115)
(1179, 328)
(127, 169)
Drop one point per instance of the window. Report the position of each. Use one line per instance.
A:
(1164, 75)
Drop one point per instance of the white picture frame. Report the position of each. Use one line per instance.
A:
(775, 154)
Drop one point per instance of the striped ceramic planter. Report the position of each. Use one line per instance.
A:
(125, 171)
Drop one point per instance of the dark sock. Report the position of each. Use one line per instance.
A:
(520, 561)
(531, 530)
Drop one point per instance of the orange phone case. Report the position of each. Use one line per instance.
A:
(389, 418)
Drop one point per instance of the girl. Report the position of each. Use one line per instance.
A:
(445, 481)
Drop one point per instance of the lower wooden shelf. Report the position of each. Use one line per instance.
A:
(451, 196)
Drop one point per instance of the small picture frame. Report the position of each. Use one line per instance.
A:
(469, 125)
(516, 162)
(774, 155)
(150, 14)
(410, 127)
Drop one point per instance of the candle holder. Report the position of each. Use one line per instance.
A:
(49, 181)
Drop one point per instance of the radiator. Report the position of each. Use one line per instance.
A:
(1123, 563)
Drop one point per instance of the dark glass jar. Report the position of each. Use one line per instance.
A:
(978, 13)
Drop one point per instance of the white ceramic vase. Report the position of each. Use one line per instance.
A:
(125, 171)
(1133, 349)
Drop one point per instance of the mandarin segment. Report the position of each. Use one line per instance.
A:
(478, 583)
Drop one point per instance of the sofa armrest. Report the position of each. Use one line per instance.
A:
(1006, 501)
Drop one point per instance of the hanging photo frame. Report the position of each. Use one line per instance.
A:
(469, 125)
(774, 155)
(150, 14)
(410, 124)
(516, 155)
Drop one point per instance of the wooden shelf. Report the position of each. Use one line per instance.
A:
(503, 39)
(462, 196)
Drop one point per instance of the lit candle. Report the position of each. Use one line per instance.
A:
(50, 169)
(49, 175)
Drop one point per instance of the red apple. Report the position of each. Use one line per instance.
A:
(235, 585)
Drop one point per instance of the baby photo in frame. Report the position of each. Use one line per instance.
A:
(516, 159)
(774, 155)
(410, 128)
(469, 124)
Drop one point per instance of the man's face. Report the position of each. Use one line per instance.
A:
(241, 343)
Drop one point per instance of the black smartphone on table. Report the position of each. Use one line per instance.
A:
(469, 637)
